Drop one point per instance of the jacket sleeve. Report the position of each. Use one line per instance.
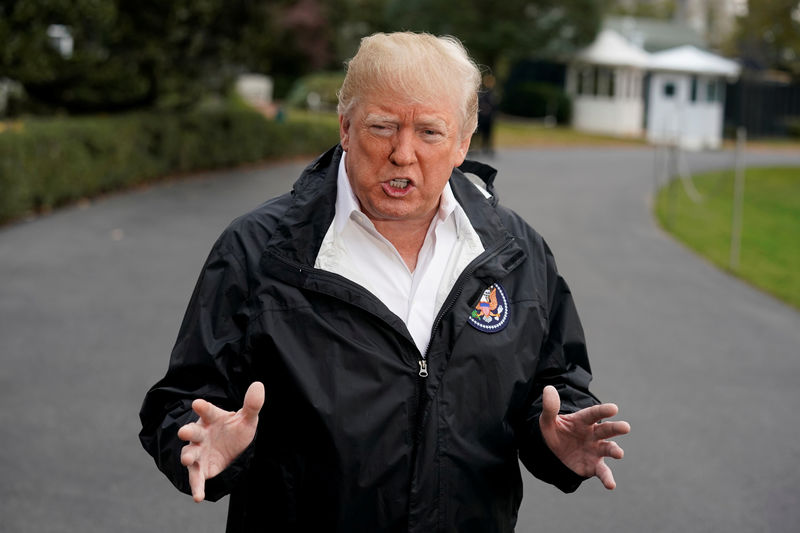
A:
(563, 363)
(208, 362)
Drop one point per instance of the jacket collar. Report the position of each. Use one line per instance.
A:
(299, 234)
(303, 226)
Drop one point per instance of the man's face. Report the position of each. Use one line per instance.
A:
(400, 155)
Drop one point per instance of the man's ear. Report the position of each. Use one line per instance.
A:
(462, 150)
(344, 132)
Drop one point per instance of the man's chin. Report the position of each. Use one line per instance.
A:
(400, 212)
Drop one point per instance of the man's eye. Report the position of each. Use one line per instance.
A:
(380, 129)
(431, 134)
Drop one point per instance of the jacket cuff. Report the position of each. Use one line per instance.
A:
(545, 465)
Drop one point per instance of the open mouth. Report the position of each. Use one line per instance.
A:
(398, 187)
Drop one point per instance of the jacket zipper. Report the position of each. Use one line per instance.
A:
(459, 286)
(450, 302)
(423, 362)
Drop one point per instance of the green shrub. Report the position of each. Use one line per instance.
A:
(534, 99)
(793, 127)
(323, 84)
(47, 163)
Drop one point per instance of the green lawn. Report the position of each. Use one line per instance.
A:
(510, 132)
(770, 249)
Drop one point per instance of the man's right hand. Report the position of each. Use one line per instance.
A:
(218, 437)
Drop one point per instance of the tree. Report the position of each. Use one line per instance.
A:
(768, 36)
(304, 39)
(155, 53)
(504, 30)
(127, 54)
(354, 19)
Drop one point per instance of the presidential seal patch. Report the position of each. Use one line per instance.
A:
(490, 315)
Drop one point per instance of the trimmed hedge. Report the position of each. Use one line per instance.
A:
(535, 99)
(47, 163)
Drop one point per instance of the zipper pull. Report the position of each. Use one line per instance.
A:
(423, 368)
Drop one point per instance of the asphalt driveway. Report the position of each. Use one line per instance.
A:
(703, 366)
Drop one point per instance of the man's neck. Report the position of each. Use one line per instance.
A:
(407, 236)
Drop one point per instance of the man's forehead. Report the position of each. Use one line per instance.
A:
(418, 116)
(395, 109)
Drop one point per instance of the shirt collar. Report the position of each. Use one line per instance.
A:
(347, 207)
(346, 201)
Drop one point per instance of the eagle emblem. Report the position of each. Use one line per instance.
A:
(490, 314)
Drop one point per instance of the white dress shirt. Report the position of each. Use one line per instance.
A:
(353, 248)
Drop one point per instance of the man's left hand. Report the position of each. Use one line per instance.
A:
(579, 439)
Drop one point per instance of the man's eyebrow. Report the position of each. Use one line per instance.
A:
(432, 121)
(375, 117)
(423, 121)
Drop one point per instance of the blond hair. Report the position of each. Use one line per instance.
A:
(419, 66)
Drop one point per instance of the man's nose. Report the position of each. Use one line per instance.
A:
(403, 152)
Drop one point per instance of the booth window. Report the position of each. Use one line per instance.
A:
(711, 91)
(585, 81)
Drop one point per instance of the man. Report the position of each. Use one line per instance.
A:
(487, 109)
(412, 338)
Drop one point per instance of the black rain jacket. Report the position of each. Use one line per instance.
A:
(351, 437)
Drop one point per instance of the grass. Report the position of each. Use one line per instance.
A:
(770, 246)
(519, 133)
(783, 144)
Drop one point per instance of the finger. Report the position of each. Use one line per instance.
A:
(607, 430)
(191, 433)
(253, 401)
(207, 411)
(595, 413)
(603, 472)
(613, 450)
(551, 403)
(197, 482)
(190, 454)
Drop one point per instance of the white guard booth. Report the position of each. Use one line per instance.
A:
(605, 83)
(687, 97)
(256, 89)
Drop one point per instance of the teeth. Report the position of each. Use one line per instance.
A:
(399, 183)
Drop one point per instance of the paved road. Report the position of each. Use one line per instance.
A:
(704, 367)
